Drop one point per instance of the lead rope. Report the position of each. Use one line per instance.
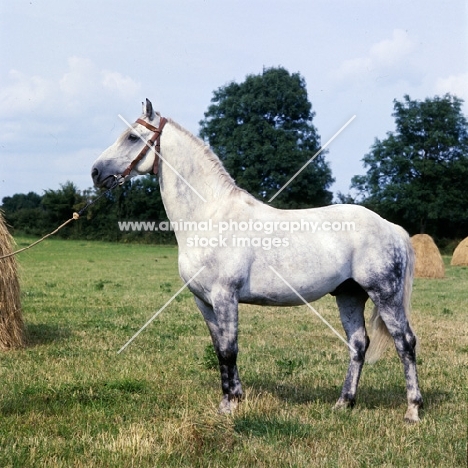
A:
(76, 215)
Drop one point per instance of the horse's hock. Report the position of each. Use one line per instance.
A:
(11, 319)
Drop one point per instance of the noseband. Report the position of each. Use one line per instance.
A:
(156, 138)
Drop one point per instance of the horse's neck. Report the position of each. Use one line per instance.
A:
(199, 185)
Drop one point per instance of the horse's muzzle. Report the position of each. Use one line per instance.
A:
(105, 182)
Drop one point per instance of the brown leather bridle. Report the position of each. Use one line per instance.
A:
(155, 141)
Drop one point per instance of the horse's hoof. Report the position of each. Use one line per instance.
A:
(411, 416)
(343, 404)
(227, 406)
(412, 421)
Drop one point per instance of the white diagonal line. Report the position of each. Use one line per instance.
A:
(312, 158)
(157, 154)
(313, 310)
(160, 310)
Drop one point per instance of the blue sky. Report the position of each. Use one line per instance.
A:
(68, 68)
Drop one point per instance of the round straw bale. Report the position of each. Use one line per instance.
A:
(11, 319)
(428, 262)
(460, 254)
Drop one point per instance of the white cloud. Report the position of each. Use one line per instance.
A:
(383, 58)
(61, 113)
(80, 79)
(125, 86)
(23, 93)
(8, 131)
(81, 87)
(454, 84)
(84, 84)
(391, 52)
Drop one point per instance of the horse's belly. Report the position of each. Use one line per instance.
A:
(279, 300)
(294, 276)
(281, 289)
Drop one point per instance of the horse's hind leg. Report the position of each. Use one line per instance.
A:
(398, 326)
(221, 319)
(351, 304)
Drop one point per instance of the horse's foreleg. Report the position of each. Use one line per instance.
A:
(221, 319)
(352, 317)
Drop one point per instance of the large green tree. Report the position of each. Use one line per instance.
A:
(60, 204)
(418, 175)
(262, 131)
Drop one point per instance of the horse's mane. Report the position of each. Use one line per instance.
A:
(217, 166)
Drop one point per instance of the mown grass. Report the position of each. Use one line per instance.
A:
(69, 399)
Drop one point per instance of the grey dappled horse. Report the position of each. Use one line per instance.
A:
(374, 260)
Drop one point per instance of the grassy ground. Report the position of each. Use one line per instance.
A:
(69, 399)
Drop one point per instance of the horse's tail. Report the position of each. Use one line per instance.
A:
(381, 337)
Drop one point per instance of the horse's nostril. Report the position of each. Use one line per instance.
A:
(94, 173)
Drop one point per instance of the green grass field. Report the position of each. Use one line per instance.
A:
(69, 400)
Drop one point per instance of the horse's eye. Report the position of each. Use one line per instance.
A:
(133, 137)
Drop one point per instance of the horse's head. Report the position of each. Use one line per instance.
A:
(130, 155)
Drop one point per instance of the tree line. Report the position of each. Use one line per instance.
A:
(262, 130)
(137, 200)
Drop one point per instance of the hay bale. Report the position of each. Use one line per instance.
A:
(11, 319)
(428, 261)
(460, 254)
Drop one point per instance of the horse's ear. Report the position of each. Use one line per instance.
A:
(148, 109)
